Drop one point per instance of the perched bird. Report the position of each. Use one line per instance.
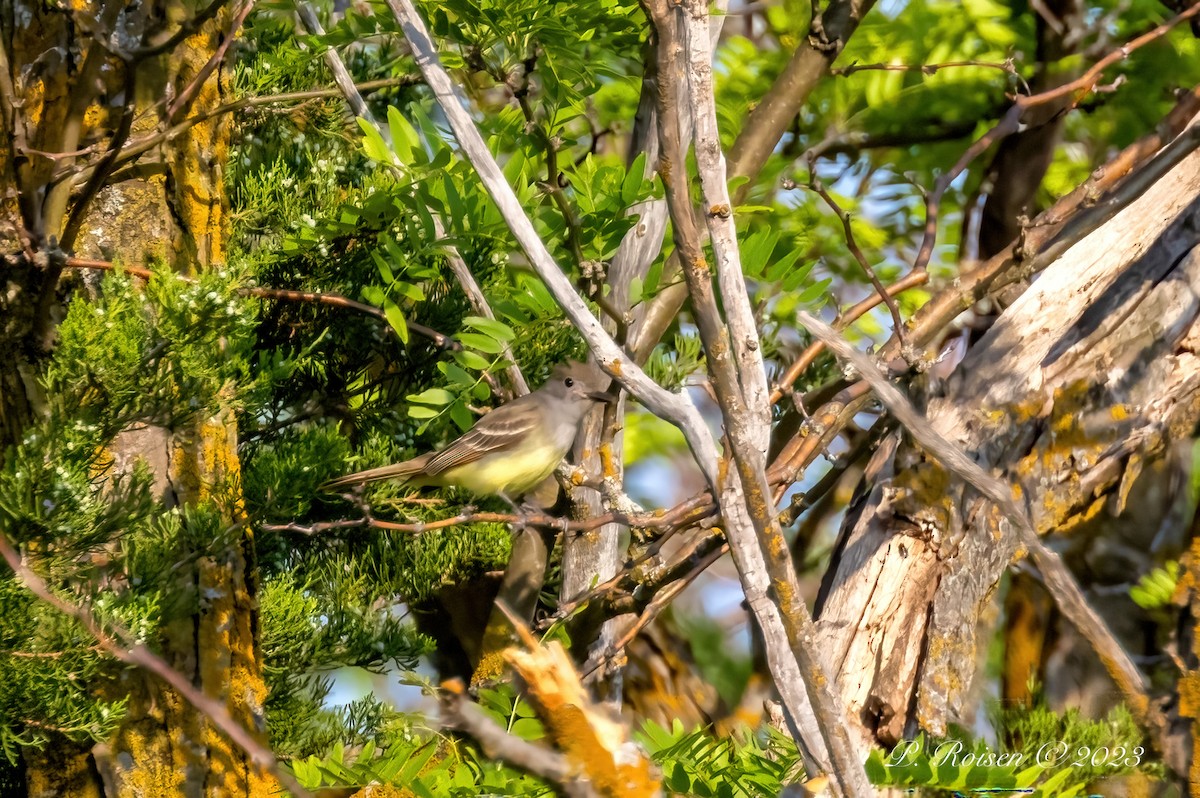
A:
(511, 450)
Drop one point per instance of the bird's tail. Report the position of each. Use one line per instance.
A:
(401, 472)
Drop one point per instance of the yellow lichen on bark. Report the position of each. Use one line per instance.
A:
(595, 745)
(199, 193)
(1188, 687)
(51, 770)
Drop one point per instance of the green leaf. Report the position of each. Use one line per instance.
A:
(481, 342)
(877, 771)
(496, 329)
(404, 137)
(395, 318)
(432, 396)
(631, 187)
(470, 360)
(528, 729)
(814, 292)
(461, 416)
(385, 271)
(373, 144)
(678, 780)
(635, 290)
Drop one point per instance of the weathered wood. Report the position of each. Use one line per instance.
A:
(1093, 364)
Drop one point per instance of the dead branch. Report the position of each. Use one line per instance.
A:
(497, 744)
(1058, 579)
(124, 646)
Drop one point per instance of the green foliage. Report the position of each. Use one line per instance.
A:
(46, 670)
(751, 764)
(421, 762)
(697, 763)
(1042, 753)
(159, 353)
(307, 631)
(960, 765)
(1156, 589)
(1093, 749)
(165, 354)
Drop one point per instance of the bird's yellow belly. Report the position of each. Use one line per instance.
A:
(507, 472)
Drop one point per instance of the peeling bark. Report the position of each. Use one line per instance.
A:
(1092, 366)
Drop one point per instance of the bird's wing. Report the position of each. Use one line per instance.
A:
(501, 429)
(399, 471)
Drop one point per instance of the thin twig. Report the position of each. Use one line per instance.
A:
(135, 147)
(458, 267)
(126, 649)
(845, 319)
(932, 69)
(848, 230)
(440, 340)
(190, 92)
(684, 512)
(659, 603)
(1011, 121)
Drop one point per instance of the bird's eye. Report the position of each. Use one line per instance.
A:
(569, 382)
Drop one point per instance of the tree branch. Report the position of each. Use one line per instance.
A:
(766, 124)
(1058, 579)
(458, 267)
(675, 408)
(126, 649)
(812, 706)
(459, 713)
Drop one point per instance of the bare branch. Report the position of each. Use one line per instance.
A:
(813, 708)
(458, 266)
(124, 647)
(676, 408)
(661, 600)
(927, 69)
(440, 340)
(851, 244)
(497, 744)
(827, 35)
(710, 164)
(184, 101)
(845, 319)
(683, 514)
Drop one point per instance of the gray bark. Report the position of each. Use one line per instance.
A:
(1093, 365)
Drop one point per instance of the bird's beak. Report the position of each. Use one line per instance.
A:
(601, 396)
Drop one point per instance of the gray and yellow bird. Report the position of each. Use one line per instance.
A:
(511, 450)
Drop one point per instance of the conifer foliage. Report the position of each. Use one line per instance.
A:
(225, 282)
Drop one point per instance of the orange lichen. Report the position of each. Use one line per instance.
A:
(608, 463)
(491, 661)
(594, 744)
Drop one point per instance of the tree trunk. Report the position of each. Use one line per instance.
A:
(1090, 373)
(61, 92)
